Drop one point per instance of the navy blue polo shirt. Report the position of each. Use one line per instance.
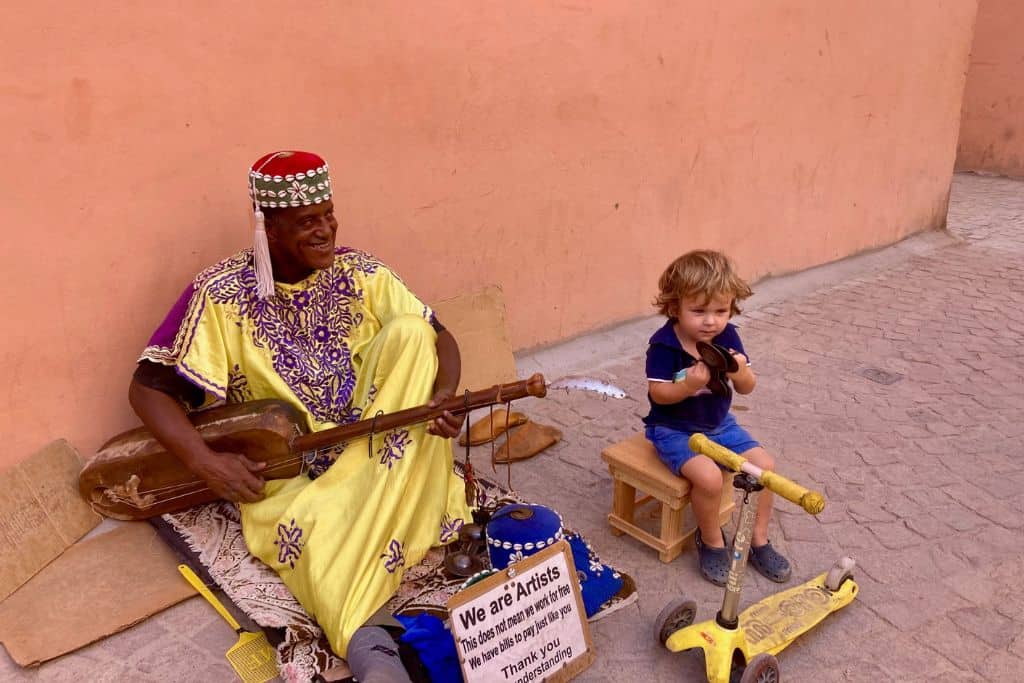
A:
(702, 412)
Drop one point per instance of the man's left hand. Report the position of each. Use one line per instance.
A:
(447, 425)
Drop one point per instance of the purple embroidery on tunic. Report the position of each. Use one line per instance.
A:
(354, 413)
(306, 333)
(320, 463)
(450, 528)
(394, 447)
(289, 543)
(202, 382)
(238, 386)
(394, 557)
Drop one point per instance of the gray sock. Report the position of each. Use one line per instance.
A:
(373, 657)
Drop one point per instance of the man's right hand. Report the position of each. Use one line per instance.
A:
(232, 476)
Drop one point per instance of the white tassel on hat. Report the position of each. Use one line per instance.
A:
(261, 258)
(262, 264)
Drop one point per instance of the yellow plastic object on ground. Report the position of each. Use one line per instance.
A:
(745, 643)
(252, 657)
(767, 626)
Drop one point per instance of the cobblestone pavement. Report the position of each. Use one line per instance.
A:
(921, 469)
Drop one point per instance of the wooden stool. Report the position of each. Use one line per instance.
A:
(634, 464)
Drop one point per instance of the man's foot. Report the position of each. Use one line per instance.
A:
(373, 657)
(770, 563)
(714, 562)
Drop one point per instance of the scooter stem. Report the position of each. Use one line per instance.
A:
(728, 617)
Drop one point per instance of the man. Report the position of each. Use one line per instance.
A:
(338, 335)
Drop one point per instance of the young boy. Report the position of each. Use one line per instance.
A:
(698, 293)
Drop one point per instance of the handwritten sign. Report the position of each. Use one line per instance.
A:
(525, 624)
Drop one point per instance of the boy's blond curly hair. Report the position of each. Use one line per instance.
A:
(699, 273)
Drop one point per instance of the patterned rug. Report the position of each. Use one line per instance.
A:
(214, 535)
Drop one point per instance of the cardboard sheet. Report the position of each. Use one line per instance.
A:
(41, 513)
(96, 588)
(477, 321)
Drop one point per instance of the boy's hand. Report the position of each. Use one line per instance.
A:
(741, 361)
(743, 380)
(697, 376)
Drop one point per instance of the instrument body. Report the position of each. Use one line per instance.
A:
(132, 476)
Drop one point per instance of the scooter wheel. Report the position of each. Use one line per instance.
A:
(677, 614)
(841, 571)
(763, 668)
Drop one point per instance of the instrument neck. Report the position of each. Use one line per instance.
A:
(457, 405)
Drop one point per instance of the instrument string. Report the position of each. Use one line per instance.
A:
(467, 466)
(283, 463)
(197, 486)
(508, 443)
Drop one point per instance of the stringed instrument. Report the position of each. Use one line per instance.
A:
(133, 477)
(720, 362)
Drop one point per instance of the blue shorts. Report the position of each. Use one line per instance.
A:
(674, 450)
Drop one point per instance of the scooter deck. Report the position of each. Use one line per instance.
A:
(766, 626)
(774, 622)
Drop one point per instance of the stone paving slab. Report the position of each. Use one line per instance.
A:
(891, 381)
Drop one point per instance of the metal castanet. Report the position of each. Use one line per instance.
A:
(132, 476)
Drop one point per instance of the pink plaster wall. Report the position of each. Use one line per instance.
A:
(992, 122)
(564, 151)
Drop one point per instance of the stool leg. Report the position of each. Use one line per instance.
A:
(623, 503)
(671, 533)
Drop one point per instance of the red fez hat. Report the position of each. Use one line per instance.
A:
(278, 180)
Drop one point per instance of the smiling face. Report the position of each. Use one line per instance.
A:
(701, 318)
(301, 240)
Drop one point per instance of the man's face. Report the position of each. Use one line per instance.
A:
(301, 240)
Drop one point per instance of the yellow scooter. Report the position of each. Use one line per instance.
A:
(748, 642)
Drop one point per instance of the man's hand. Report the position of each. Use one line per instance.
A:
(232, 476)
(447, 425)
(449, 369)
(697, 376)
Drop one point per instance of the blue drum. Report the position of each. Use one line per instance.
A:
(517, 531)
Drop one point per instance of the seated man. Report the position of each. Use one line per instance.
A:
(338, 335)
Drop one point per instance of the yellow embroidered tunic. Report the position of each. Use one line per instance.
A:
(343, 344)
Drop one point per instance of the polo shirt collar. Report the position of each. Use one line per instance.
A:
(666, 336)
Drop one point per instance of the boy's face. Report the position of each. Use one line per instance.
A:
(703, 319)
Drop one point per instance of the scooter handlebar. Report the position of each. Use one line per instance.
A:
(811, 501)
